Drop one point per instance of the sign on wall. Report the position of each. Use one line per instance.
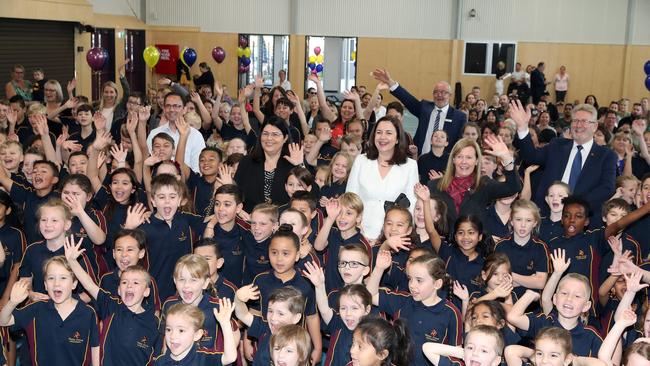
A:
(168, 57)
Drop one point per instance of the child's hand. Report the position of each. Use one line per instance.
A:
(72, 250)
(315, 274)
(627, 318)
(560, 264)
(248, 292)
(384, 260)
(422, 192)
(622, 263)
(616, 244)
(224, 314)
(333, 208)
(132, 122)
(460, 291)
(40, 125)
(151, 160)
(503, 290)
(119, 153)
(102, 140)
(144, 113)
(531, 168)
(75, 204)
(224, 175)
(533, 295)
(135, 216)
(20, 291)
(633, 282)
(183, 126)
(399, 242)
(100, 121)
(434, 174)
(323, 201)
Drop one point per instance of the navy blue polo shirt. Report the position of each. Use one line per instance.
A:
(231, 248)
(256, 257)
(586, 340)
(474, 296)
(338, 353)
(201, 193)
(84, 142)
(550, 229)
(310, 257)
(229, 132)
(440, 323)
(212, 334)
(266, 282)
(110, 282)
(53, 341)
(260, 330)
(325, 154)
(13, 243)
(639, 231)
(525, 260)
(79, 232)
(332, 190)
(429, 161)
(628, 244)
(225, 288)
(35, 256)
(127, 338)
(460, 268)
(27, 199)
(196, 357)
(492, 224)
(166, 245)
(334, 243)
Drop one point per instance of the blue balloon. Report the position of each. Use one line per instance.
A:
(311, 66)
(245, 60)
(189, 56)
(647, 82)
(646, 67)
(319, 68)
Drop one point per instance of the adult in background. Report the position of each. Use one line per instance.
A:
(561, 81)
(261, 176)
(111, 106)
(283, 82)
(382, 174)
(464, 189)
(538, 82)
(205, 79)
(18, 85)
(432, 116)
(588, 169)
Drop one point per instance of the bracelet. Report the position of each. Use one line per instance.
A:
(510, 163)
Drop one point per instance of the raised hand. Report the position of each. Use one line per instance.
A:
(534, 295)
(12, 117)
(633, 282)
(497, 148)
(460, 291)
(503, 290)
(627, 318)
(383, 76)
(296, 154)
(248, 292)
(413, 150)
(72, 250)
(314, 78)
(75, 204)
(144, 113)
(20, 291)
(325, 134)
(398, 242)
(560, 264)
(224, 314)
(218, 89)
(435, 174)
(72, 85)
(152, 160)
(314, 273)
(531, 168)
(195, 97)
(639, 127)
(100, 121)
(519, 114)
(183, 126)
(122, 66)
(421, 192)
(224, 175)
(119, 153)
(352, 95)
(383, 260)
(135, 216)
(259, 81)
(132, 122)
(71, 103)
(333, 208)
(40, 125)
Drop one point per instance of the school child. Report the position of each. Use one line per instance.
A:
(570, 301)
(528, 255)
(77, 163)
(435, 161)
(210, 251)
(483, 346)
(129, 332)
(283, 254)
(229, 230)
(553, 346)
(184, 328)
(321, 175)
(377, 342)
(76, 337)
(551, 225)
(306, 202)
(285, 307)
(491, 312)
(498, 216)
(291, 346)
(351, 145)
(170, 233)
(429, 317)
(12, 153)
(636, 354)
(354, 302)
(437, 213)
(54, 220)
(31, 156)
(86, 133)
(300, 227)
(29, 199)
(322, 151)
(396, 278)
(12, 246)
(337, 180)
(626, 188)
(192, 279)
(612, 211)
(639, 229)
(255, 241)
(299, 179)
(129, 250)
(346, 212)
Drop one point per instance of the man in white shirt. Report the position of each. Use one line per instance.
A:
(283, 82)
(172, 111)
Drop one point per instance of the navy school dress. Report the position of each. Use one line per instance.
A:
(195, 357)
(525, 260)
(14, 244)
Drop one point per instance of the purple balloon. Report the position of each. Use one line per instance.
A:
(243, 41)
(646, 67)
(97, 58)
(243, 69)
(218, 54)
(245, 60)
(647, 82)
(319, 68)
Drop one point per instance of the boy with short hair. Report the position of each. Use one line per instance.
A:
(306, 203)
(434, 163)
(626, 187)
(170, 232)
(351, 145)
(256, 239)
(162, 146)
(86, 133)
(353, 265)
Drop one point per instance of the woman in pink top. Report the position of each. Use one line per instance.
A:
(561, 84)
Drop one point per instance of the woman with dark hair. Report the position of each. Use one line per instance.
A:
(262, 174)
(206, 77)
(383, 173)
(591, 100)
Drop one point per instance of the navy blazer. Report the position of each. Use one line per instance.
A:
(597, 181)
(422, 109)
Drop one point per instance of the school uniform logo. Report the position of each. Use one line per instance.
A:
(75, 338)
(183, 237)
(143, 342)
(530, 265)
(206, 336)
(432, 337)
(236, 251)
(81, 234)
(581, 255)
(262, 260)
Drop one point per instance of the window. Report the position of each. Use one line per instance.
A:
(269, 55)
(338, 62)
(482, 57)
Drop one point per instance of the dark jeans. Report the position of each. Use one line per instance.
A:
(560, 95)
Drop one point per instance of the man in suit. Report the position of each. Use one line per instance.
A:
(588, 169)
(432, 116)
(538, 82)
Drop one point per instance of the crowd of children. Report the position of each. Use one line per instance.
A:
(113, 256)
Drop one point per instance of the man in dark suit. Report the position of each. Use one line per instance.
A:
(432, 116)
(538, 82)
(588, 169)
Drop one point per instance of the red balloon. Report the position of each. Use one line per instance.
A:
(317, 51)
(97, 58)
(243, 41)
(218, 54)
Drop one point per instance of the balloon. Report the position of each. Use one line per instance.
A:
(312, 59)
(97, 58)
(245, 61)
(317, 51)
(319, 68)
(354, 55)
(243, 41)
(188, 56)
(240, 52)
(647, 82)
(218, 54)
(311, 66)
(243, 69)
(320, 58)
(247, 52)
(151, 55)
(646, 67)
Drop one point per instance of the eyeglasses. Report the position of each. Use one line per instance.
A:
(582, 121)
(173, 106)
(274, 135)
(134, 103)
(440, 92)
(352, 264)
